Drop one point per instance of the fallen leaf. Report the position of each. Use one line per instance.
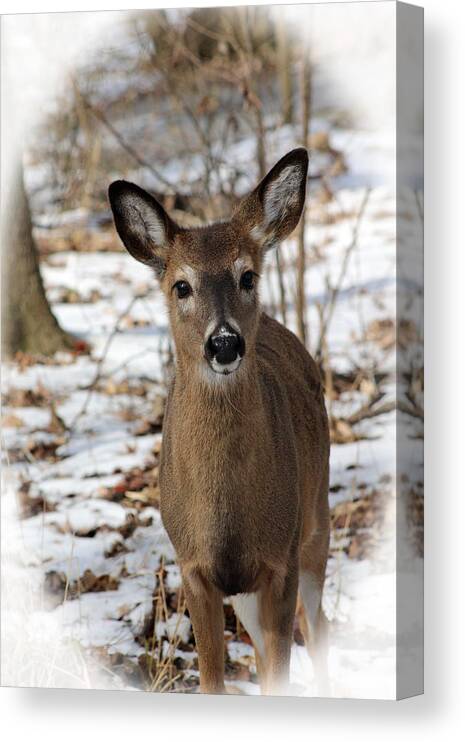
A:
(12, 421)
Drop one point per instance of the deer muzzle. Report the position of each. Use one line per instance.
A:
(224, 349)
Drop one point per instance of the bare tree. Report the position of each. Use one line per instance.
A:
(27, 321)
(284, 67)
(301, 306)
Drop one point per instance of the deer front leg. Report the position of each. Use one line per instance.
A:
(205, 604)
(278, 598)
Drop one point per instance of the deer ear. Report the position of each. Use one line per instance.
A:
(273, 209)
(142, 223)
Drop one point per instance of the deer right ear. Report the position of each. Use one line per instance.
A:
(142, 223)
(271, 212)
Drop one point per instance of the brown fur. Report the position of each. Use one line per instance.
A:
(244, 465)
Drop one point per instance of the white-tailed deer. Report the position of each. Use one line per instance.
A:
(244, 463)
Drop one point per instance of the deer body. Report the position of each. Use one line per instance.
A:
(244, 463)
(239, 509)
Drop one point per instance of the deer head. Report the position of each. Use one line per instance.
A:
(210, 275)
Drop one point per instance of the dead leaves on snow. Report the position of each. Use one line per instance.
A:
(360, 521)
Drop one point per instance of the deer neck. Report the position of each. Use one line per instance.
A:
(218, 403)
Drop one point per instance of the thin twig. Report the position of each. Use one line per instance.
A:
(413, 410)
(91, 387)
(369, 411)
(98, 113)
(335, 290)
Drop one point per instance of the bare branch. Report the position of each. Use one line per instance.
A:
(335, 290)
(98, 371)
(98, 113)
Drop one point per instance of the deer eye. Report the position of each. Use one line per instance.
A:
(183, 289)
(247, 280)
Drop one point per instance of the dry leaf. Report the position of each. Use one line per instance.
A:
(12, 421)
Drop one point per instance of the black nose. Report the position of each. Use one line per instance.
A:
(224, 345)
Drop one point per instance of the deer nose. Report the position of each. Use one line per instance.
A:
(224, 345)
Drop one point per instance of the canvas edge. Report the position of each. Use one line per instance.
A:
(409, 568)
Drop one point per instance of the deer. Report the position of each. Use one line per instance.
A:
(244, 463)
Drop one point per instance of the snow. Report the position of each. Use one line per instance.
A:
(81, 518)
(238, 650)
(56, 490)
(176, 625)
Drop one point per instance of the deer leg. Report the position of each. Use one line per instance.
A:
(205, 604)
(315, 628)
(278, 599)
(314, 623)
(246, 607)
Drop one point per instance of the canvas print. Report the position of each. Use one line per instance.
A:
(212, 366)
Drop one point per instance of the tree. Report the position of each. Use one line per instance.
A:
(27, 321)
(301, 300)
(284, 66)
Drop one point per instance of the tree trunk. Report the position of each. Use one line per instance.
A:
(306, 105)
(284, 63)
(28, 324)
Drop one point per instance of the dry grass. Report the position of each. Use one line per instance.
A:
(158, 664)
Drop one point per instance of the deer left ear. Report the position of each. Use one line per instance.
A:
(145, 228)
(272, 211)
